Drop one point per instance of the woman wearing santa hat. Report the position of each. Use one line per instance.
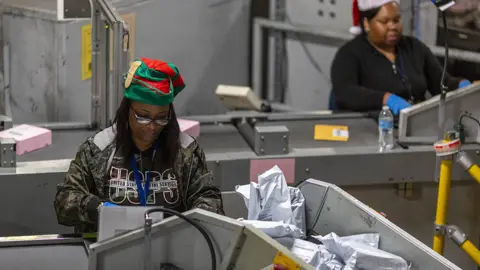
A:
(380, 66)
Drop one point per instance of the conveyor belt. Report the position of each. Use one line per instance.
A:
(363, 132)
(65, 144)
(213, 139)
(222, 139)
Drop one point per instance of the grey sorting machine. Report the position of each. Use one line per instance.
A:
(239, 144)
(237, 246)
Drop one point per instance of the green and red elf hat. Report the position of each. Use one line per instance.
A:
(153, 82)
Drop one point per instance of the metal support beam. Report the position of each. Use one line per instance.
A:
(5, 122)
(105, 21)
(106, 98)
(98, 86)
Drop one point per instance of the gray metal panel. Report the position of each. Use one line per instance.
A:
(76, 9)
(427, 21)
(314, 60)
(53, 257)
(76, 99)
(32, 196)
(40, 5)
(221, 29)
(5, 122)
(233, 171)
(420, 121)
(34, 54)
(174, 241)
(46, 83)
(118, 220)
(234, 205)
(343, 214)
(367, 166)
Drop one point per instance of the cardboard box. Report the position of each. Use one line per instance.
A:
(28, 138)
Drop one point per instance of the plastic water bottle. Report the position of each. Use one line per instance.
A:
(385, 129)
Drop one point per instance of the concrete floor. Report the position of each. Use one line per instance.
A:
(417, 215)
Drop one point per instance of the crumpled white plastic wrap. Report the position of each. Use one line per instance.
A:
(362, 252)
(272, 200)
(355, 252)
(279, 211)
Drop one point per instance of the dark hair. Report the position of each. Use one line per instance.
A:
(168, 138)
(369, 15)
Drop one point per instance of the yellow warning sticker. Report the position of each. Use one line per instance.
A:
(282, 260)
(86, 53)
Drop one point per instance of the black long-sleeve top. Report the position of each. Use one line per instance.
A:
(361, 75)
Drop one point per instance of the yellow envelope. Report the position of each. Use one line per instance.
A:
(330, 133)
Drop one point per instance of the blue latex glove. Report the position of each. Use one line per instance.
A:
(396, 104)
(464, 83)
(109, 204)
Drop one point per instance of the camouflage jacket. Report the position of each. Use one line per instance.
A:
(97, 174)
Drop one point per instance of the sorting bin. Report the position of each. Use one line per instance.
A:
(330, 209)
(237, 246)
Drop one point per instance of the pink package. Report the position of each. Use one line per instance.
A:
(259, 166)
(28, 138)
(192, 128)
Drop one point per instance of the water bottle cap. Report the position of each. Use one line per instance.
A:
(385, 108)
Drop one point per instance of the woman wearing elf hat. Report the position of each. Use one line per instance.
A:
(143, 159)
(382, 67)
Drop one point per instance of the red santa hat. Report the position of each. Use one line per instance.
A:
(355, 29)
(362, 5)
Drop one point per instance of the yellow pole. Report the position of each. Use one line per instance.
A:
(474, 171)
(442, 203)
(471, 250)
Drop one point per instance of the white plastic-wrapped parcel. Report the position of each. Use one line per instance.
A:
(271, 199)
(358, 252)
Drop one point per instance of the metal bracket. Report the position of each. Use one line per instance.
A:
(271, 140)
(464, 160)
(95, 101)
(8, 155)
(456, 234)
(440, 230)
(453, 232)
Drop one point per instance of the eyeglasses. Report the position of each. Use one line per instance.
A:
(146, 121)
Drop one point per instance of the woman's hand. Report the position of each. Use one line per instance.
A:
(395, 103)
